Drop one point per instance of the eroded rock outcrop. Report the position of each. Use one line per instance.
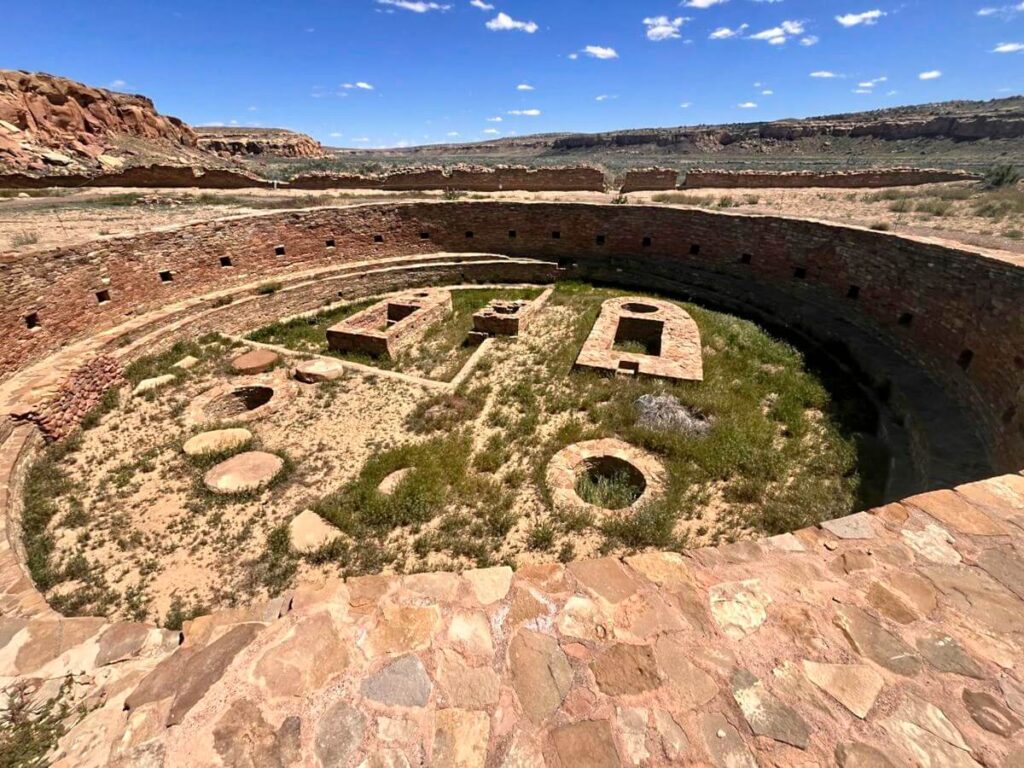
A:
(50, 123)
(251, 142)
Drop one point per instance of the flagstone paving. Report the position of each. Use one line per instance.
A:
(892, 639)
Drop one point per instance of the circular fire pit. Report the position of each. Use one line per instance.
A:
(604, 475)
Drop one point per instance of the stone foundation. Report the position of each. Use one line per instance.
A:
(666, 331)
(390, 325)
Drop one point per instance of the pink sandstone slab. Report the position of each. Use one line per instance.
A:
(244, 473)
(256, 361)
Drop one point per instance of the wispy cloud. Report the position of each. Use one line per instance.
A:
(824, 74)
(724, 33)
(686, 105)
(525, 112)
(481, 5)
(663, 28)
(360, 86)
(809, 40)
(494, 119)
(1008, 48)
(780, 34)
(503, 22)
(748, 105)
(1002, 10)
(702, 3)
(601, 52)
(416, 6)
(873, 83)
(866, 18)
(492, 131)
(524, 87)
(933, 74)
(605, 97)
(117, 84)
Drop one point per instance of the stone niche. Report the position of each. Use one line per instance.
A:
(502, 317)
(391, 324)
(639, 336)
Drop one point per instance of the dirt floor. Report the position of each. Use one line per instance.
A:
(133, 533)
(960, 212)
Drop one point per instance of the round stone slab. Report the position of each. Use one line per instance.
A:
(216, 441)
(245, 472)
(257, 361)
(313, 371)
(390, 483)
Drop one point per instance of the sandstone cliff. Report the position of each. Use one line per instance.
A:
(249, 142)
(54, 124)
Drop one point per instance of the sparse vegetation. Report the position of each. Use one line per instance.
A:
(29, 730)
(1000, 176)
(24, 238)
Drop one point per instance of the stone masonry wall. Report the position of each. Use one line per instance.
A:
(60, 415)
(649, 179)
(888, 177)
(956, 311)
(508, 178)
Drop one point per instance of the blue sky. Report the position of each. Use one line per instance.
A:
(396, 72)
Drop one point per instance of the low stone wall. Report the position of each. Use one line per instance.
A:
(155, 176)
(502, 178)
(888, 177)
(649, 180)
(60, 415)
(19, 598)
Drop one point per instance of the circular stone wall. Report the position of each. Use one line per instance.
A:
(945, 361)
(241, 400)
(603, 459)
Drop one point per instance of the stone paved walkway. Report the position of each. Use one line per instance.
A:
(889, 638)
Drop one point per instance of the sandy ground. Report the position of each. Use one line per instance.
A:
(74, 216)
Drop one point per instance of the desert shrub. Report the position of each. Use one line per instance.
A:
(1000, 176)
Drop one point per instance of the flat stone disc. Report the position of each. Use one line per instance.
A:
(243, 473)
(257, 361)
(216, 441)
(313, 371)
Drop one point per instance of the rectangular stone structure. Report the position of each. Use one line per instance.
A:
(390, 325)
(666, 334)
(502, 317)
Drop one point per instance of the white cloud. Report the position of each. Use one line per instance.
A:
(453, 134)
(492, 131)
(873, 83)
(361, 86)
(724, 33)
(768, 92)
(361, 140)
(748, 105)
(605, 97)
(862, 90)
(1008, 48)
(702, 3)
(481, 5)
(933, 74)
(525, 112)
(809, 40)
(335, 135)
(503, 22)
(416, 6)
(866, 18)
(1004, 10)
(600, 52)
(117, 84)
(824, 74)
(686, 104)
(494, 119)
(524, 87)
(663, 28)
(780, 34)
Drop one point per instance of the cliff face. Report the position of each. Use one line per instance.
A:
(956, 121)
(49, 123)
(248, 142)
